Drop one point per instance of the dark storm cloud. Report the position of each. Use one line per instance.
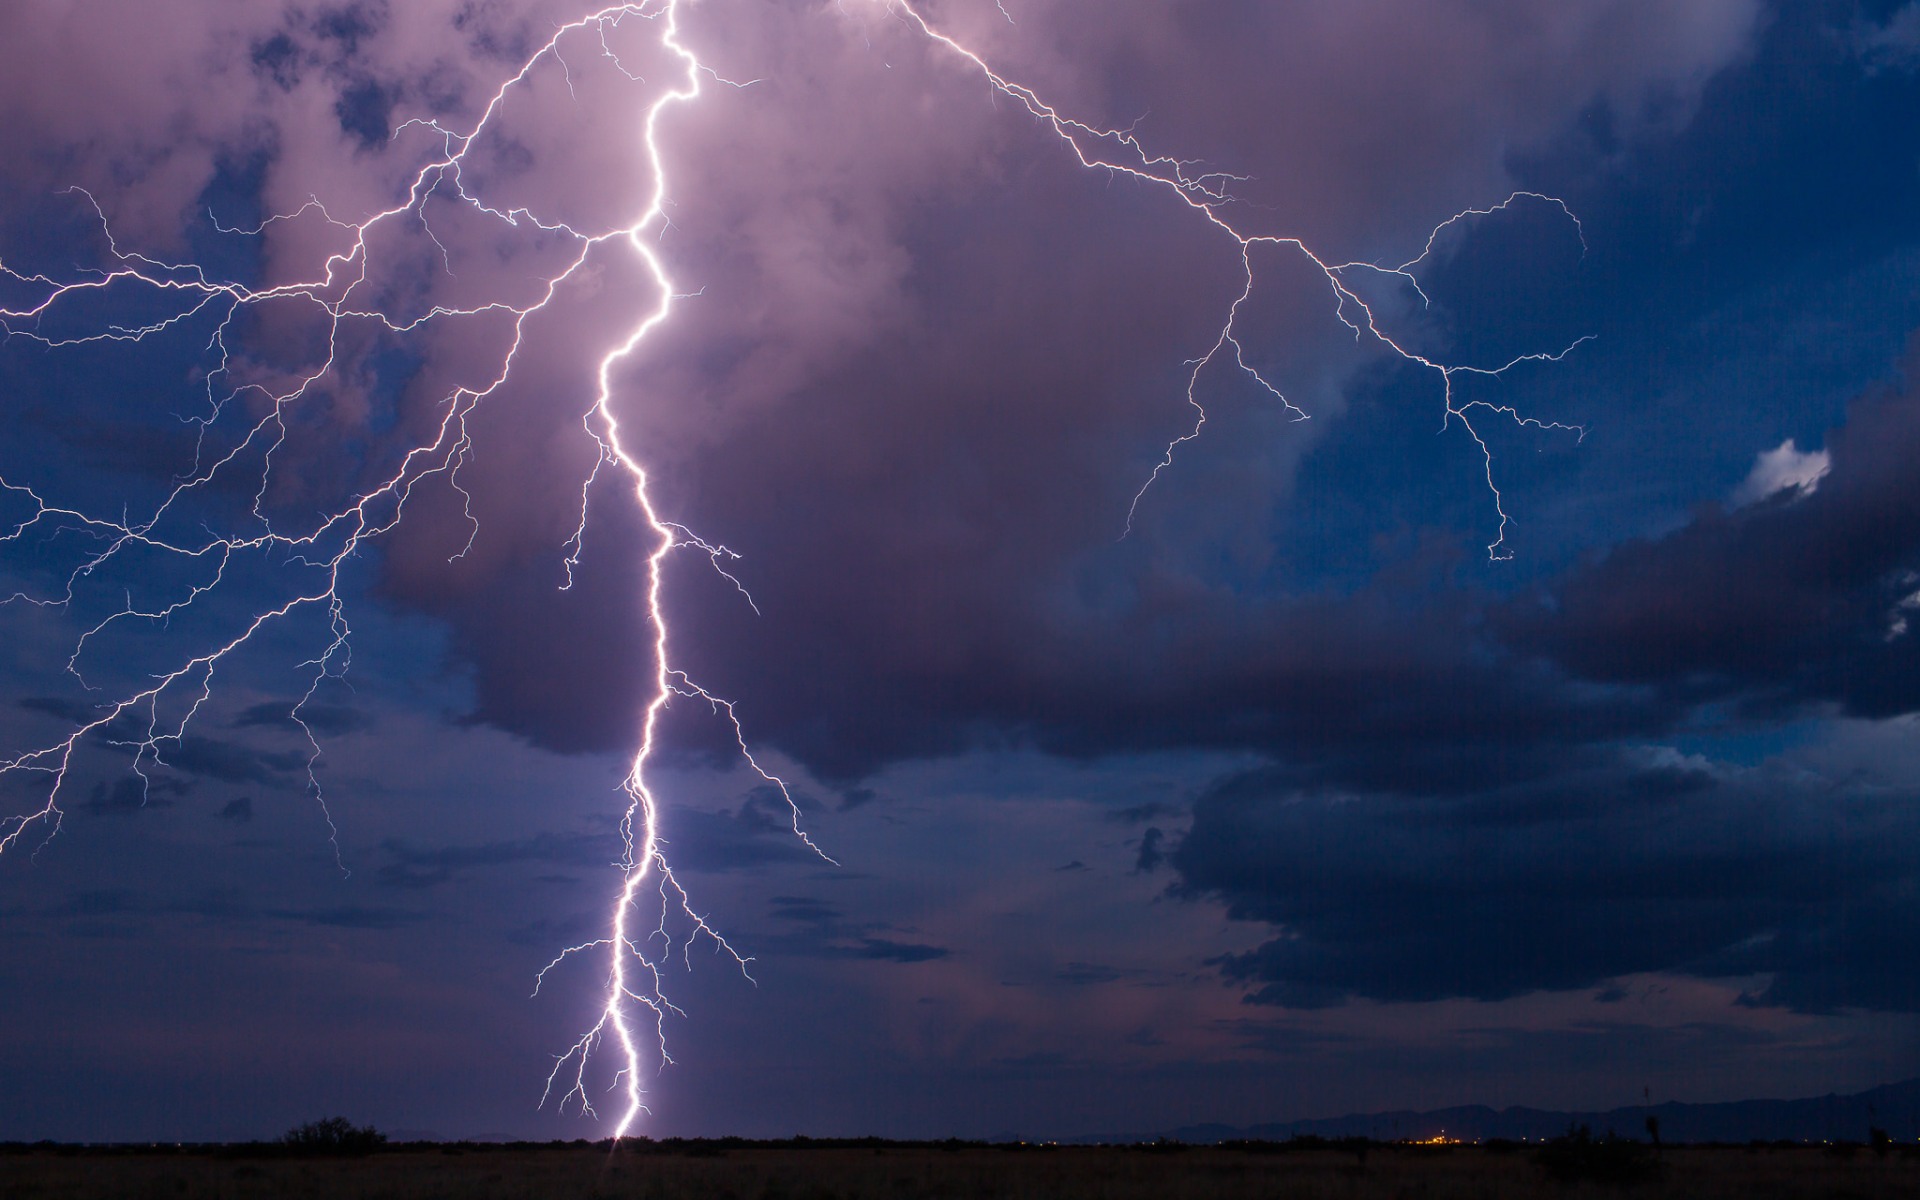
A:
(805, 909)
(977, 607)
(206, 757)
(853, 377)
(567, 678)
(821, 931)
(231, 762)
(924, 427)
(127, 796)
(1493, 866)
(66, 710)
(887, 950)
(1079, 974)
(413, 866)
(854, 798)
(1635, 867)
(1562, 859)
(757, 833)
(1795, 599)
(328, 720)
(1152, 854)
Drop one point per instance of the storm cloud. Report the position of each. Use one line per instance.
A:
(1104, 737)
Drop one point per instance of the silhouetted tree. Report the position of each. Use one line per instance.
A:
(333, 1135)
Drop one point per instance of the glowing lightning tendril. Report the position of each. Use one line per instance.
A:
(153, 721)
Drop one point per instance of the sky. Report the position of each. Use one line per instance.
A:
(1269, 774)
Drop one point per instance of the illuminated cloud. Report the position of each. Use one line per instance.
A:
(1785, 468)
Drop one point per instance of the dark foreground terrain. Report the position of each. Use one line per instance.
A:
(709, 1171)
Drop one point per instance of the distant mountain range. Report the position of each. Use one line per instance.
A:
(1894, 1107)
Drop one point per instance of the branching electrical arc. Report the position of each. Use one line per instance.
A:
(152, 721)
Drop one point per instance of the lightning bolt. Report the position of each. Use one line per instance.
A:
(153, 721)
(1209, 194)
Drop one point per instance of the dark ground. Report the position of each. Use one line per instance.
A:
(710, 1171)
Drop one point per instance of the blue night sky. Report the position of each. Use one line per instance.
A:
(1292, 801)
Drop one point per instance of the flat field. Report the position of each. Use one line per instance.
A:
(704, 1171)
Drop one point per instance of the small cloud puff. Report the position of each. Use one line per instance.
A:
(1784, 468)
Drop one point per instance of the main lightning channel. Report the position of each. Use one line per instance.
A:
(640, 826)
